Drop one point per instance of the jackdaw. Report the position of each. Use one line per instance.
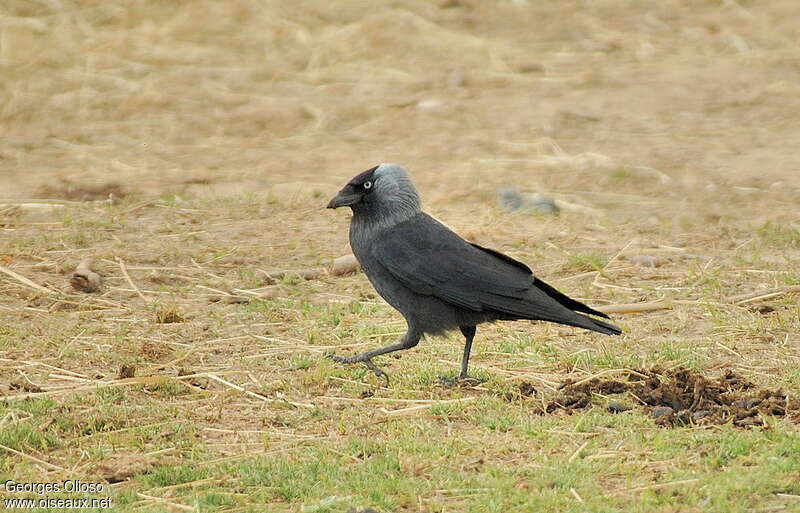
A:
(437, 280)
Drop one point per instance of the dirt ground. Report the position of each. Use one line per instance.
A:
(693, 105)
(189, 149)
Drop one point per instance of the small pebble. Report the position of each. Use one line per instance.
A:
(531, 67)
(344, 265)
(527, 389)
(512, 200)
(84, 278)
(661, 411)
(618, 407)
(430, 105)
(543, 204)
(748, 422)
(752, 403)
(126, 371)
(700, 414)
(456, 78)
(645, 260)
(748, 403)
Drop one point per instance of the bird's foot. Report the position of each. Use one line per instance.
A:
(461, 380)
(356, 359)
(377, 370)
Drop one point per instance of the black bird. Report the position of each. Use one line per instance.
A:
(436, 279)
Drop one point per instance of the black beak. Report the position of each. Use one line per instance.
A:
(344, 199)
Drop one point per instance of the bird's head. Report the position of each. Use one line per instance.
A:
(383, 190)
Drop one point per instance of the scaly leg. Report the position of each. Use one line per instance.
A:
(410, 340)
(464, 377)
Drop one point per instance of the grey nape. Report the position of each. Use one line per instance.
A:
(434, 278)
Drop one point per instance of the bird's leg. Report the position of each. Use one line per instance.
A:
(464, 377)
(469, 334)
(410, 340)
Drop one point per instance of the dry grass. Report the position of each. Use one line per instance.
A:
(188, 149)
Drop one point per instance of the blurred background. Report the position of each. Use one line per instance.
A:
(676, 100)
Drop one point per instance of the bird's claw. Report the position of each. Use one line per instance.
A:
(463, 381)
(378, 372)
(355, 359)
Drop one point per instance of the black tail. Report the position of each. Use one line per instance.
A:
(575, 306)
(600, 326)
(588, 323)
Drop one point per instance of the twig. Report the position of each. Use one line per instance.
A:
(160, 451)
(657, 486)
(33, 458)
(130, 428)
(32, 205)
(253, 394)
(25, 280)
(128, 278)
(615, 257)
(577, 452)
(192, 484)
(147, 380)
(624, 308)
(172, 362)
(723, 346)
(31, 362)
(220, 292)
(334, 451)
(228, 459)
(608, 371)
(136, 207)
(261, 431)
(305, 274)
(576, 276)
(415, 409)
(761, 295)
(182, 507)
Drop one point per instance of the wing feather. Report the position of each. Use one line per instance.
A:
(430, 259)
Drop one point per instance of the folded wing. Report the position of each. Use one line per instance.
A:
(430, 259)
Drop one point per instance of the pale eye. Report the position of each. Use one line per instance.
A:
(368, 185)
